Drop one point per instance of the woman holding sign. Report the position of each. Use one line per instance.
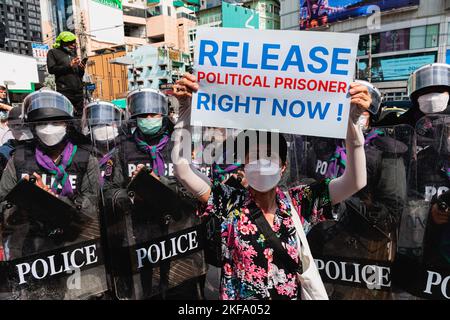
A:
(264, 252)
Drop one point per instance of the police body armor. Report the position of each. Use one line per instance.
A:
(49, 254)
(151, 259)
(423, 259)
(361, 240)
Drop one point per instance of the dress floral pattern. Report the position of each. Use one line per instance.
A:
(250, 269)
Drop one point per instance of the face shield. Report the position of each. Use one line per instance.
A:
(102, 120)
(145, 101)
(436, 75)
(16, 124)
(47, 105)
(376, 96)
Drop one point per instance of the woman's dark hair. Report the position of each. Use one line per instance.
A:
(250, 137)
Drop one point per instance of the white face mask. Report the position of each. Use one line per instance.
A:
(263, 175)
(51, 134)
(22, 134)
(433, 102)
(104, 133)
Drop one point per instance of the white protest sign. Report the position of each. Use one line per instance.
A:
(290, 81)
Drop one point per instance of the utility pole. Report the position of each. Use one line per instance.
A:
(369, 77)
(80, 28)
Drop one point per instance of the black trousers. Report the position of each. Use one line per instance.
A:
(77, 100)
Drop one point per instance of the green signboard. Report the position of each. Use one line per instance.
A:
(234, 16)
(111, 3)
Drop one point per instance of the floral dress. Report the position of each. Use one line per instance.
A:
(250, 269)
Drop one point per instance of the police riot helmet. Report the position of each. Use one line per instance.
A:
(46, 105)
(16, 116)
(375, 95)
(101, 113)
(145, 101)
(435, 75)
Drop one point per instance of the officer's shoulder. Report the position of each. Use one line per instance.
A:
(390, 145)
(86, 147)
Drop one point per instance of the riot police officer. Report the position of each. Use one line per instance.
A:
(367, 222)
(429, 93)
(102, 121)
(63, 166)
(423, 229)
(20, 133)
(148, 145)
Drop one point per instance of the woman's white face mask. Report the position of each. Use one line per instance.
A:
(263, 175)
(51, 134)
(104, 133)
(433, 102)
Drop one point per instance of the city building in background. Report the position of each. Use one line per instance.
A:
(110, 29)
(22, 25)
(119, 25)
(110, 80)
(257, 14)
(156, 68)
(397, 36)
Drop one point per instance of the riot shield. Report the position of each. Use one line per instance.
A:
(423, 255)
(50, 225)
(154, 236)
(354, 252)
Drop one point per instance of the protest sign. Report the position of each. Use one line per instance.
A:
(290, 81)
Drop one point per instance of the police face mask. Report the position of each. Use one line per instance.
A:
(104, 133)
(22, 134)
(150, 126)
(51, 134)
(433, 102)
(263, 175)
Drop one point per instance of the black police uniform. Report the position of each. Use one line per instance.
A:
(368, 220)
(147, 225)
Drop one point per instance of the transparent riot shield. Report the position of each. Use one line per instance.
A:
(50, 224)
(355, 248)
(423, 255)
(155, 238)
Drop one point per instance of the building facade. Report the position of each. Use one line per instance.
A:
(393, 42)
(22, 21)
(262, 14)
(119, 25)
(157, 68)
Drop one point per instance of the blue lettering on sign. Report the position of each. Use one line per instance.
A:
(323, 63)
(290, 61)
(266, 56)
(245, 63)
(226, 53)
(297, 109)
(336, 61)
(320, 59)
(253, 105)
(210, 54)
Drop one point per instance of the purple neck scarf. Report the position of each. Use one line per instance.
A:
(338, 161)
(154, 151)
(61, 176)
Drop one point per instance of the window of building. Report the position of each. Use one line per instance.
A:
(395, 40)
(276, 10)
(448, 34)
(394, 68)
(169, 11)
(432, 39)
(363, 45)
(424, 37)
